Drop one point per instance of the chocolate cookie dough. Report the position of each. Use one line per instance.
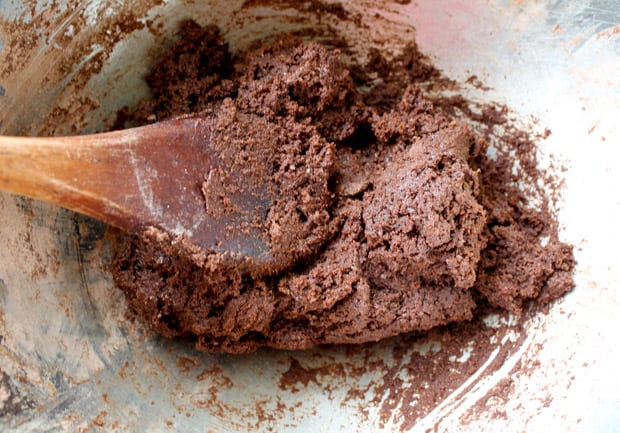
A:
(402, 229)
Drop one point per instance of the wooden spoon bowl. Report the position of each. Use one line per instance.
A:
(155, 176)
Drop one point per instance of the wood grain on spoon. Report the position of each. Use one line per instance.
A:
(151, 176)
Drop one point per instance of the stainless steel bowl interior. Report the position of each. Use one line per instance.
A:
(72, 360)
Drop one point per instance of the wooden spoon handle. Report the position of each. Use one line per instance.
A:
(111, 176)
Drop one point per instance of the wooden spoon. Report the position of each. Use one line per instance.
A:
(135, 179)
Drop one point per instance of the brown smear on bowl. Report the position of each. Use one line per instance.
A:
(49, 41)
(422, 224)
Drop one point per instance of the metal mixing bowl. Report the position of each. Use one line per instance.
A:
(71, 359)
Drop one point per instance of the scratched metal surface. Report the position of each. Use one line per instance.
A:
(70, 360)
